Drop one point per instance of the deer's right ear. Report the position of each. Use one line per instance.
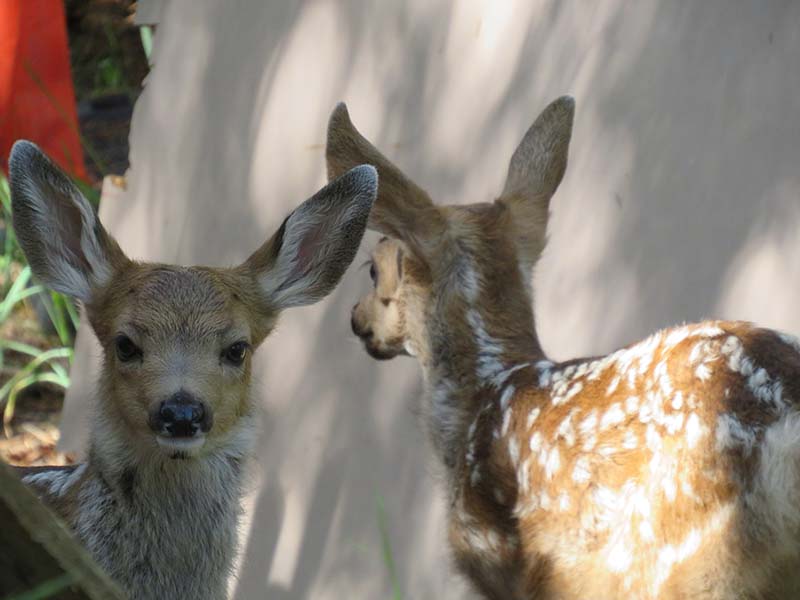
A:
(402, 210)
(59, 232)
(307, 256)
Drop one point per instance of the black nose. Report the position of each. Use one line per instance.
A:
(181, 415)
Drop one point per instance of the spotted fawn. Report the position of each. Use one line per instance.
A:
(667, 469)
(157, 500)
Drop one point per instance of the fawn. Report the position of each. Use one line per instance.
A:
(667, 469)
(157, 501)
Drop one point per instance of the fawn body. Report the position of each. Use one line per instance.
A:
(667, 469)
(157, 500)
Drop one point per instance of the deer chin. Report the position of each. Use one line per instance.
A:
(181, 447)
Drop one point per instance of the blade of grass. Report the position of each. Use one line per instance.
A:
(388, 556)
(20, 347)
(21, 384)
(146, 33)
(32, 366)
(47, 589)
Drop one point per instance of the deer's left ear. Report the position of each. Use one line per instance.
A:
(535, 171)
(403, 210)
(307, 256)
(66, 245)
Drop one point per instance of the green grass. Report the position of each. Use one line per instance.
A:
(47, 589)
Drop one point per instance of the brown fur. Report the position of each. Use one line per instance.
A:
(669, 469)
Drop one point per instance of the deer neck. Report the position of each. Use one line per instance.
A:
(470, 348)
(134, 494)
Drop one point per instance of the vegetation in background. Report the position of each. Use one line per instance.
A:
(106, 50)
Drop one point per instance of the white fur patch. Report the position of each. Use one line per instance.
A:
(581, 472)
(532, 416)
(613, 416)
(553, 463)
(506, 396)
(694, 430)
(535, 442)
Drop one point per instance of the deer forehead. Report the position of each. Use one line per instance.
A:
(194, 303)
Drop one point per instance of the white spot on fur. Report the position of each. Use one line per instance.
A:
(612, 387)
(505, 398)
(677, 400)
(630, 441)
(652, 438)
(571, 392)
(545, 368)
(500, 379)
(468, 281)
(676, 336)
(553, 463)
(523, 476)
(581, 472)
(535, 442)
(506, 422)
(563, 502)
(613, 416)
(646, 531)
(694, 430)
(588, 425)
(703, 372)
(670, 489)
(566, 430)
(707, 331)
(673, 423)
(513, 451)
(489, 350)
(620, 558)
(632, 404)
(670, 555)
(532, 416)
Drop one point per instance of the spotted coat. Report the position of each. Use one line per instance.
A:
(644, 473)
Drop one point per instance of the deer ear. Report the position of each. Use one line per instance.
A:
(535, 171)
(59, 232)
(402, 210)
(307, 256)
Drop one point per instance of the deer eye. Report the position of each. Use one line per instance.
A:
(235, 353)
(126, 349)
(373, 274)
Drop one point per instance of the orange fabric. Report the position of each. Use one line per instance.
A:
(37, 100)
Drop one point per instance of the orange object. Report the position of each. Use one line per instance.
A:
(37, 100)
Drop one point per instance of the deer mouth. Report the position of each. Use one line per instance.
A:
(181, 447)
(380, 353)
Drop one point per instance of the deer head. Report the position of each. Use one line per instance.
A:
(178, 341)
(475, 260)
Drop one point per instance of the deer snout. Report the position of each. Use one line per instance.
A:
(181, 415)
(362, 331)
